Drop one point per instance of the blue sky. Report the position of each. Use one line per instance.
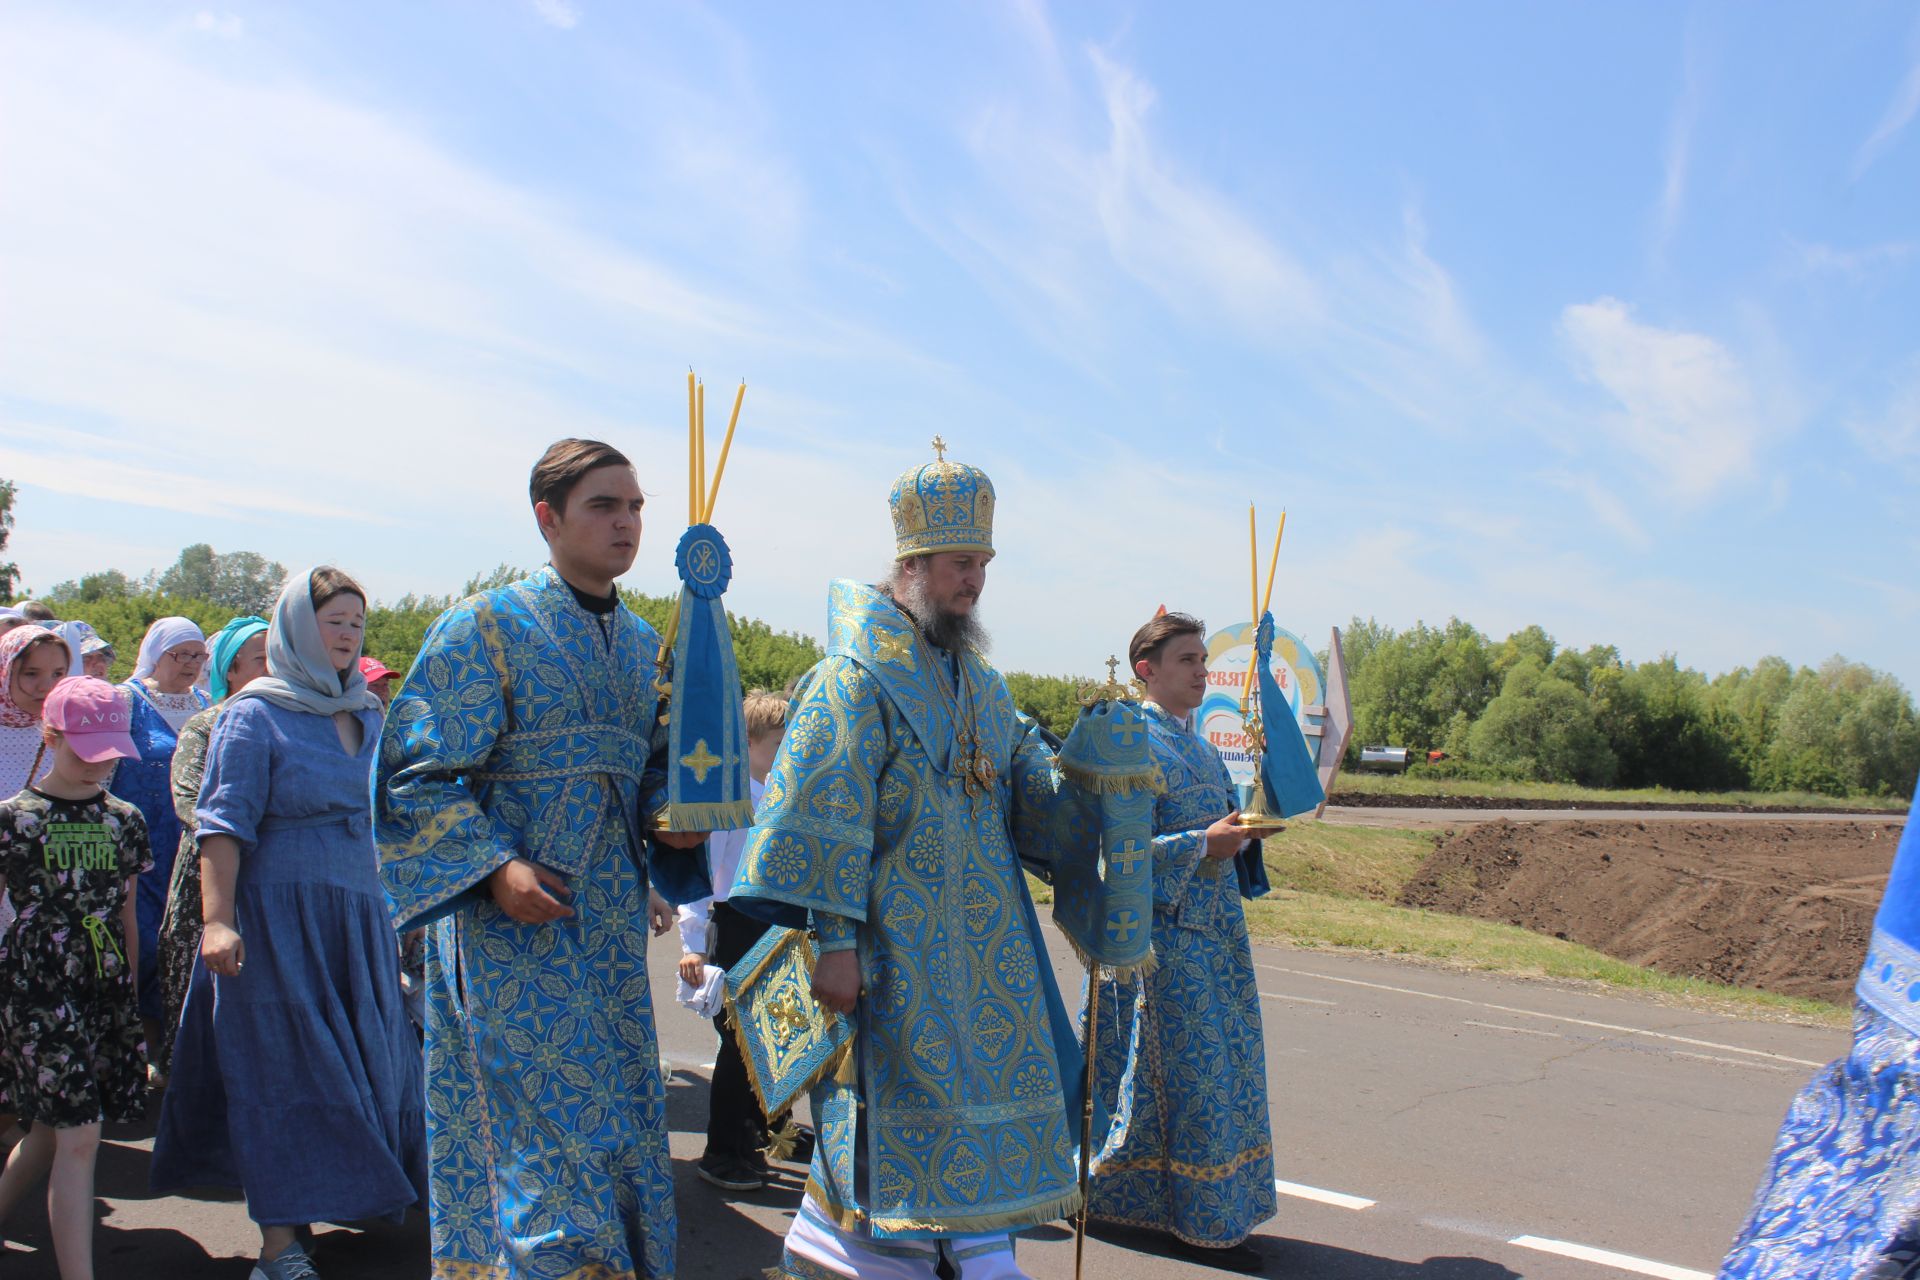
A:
(1605, 317)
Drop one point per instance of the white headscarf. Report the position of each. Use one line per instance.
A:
(164, 634)
(76, 634)
(300, 673)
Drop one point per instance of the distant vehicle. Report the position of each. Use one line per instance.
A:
(1396, 758)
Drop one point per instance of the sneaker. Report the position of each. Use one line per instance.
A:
(291, 1263)
(731, 1175)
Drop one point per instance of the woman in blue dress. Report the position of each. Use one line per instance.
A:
(296, 1076)
(1841, 1197)
(163, 699)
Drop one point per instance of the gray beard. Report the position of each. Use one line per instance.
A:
(943, 629)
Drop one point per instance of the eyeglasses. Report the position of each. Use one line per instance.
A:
(188, 659)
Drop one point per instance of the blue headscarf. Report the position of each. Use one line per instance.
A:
(226, 644)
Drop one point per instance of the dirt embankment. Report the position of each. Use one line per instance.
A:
(1411, 800)
(1783, 906)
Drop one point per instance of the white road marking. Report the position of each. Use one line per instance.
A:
(1608, 1258)
(1525, 1031)
(1732, 1062)
(1338, 1199)
(1279, 995)
(1551, 1017)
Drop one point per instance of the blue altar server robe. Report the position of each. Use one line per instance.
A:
(1180, 1059)
(527, 728)
(952, 1115)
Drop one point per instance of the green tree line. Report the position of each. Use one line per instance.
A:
(1525, 708)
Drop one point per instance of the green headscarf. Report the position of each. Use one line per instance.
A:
(226, 644)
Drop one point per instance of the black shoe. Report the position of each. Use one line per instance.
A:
(731, 1175)
(1241, 1258)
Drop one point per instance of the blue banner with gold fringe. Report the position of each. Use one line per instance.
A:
(1287, 769)
(706, 728)
(1103, 839)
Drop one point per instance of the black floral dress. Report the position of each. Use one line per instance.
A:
(73, 1048)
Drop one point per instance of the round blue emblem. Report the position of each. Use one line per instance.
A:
(704, 562)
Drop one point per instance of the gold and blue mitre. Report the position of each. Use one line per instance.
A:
(942, 506)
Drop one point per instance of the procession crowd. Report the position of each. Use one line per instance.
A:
(373, 943)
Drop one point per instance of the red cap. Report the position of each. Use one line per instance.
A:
(96, 720)
(374, 670)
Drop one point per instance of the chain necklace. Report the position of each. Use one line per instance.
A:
(977, 770)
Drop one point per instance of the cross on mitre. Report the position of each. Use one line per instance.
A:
(939, 449)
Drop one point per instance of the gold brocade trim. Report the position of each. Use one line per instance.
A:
(1180, 1168)
(1118, 972)
(455, 813)
(1154, 1224)
(857, 1222)
(459, 1269)
(729, 815)
(1147, 779)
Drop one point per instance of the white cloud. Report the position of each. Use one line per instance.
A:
(1677, 159)
(1900, 111)
(1686, 407)
(1864, 263)
(559, 13)
(1892, 434)
(1606, 506)
(227, 26)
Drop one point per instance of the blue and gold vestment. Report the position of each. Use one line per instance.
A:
(526, 728)
(950, 1116)
(1181, 1063)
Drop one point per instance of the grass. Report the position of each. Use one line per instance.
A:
(1353, 782)
(1334, 890)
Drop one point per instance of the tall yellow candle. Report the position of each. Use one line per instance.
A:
(700, 461)
(1266, 601)
(693, 495)
(1253, 590)
(726, 446)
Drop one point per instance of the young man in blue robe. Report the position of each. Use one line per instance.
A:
(899, 809)
(513, 802)
(1181, 1061)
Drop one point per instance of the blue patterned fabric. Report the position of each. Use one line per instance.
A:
(1180, 1060)
(707, 786)
(526, 730)
(1841, 1197)
(1287, 770)
(1103, 907)
(147, 785)
(955, 1118)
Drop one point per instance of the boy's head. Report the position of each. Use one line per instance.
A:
(90, 728)
(766, 725)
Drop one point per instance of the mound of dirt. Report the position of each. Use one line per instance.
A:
(1784, 906)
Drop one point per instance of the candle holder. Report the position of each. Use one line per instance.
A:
(1255, 819)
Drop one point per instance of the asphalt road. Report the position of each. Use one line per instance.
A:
(1424, 1121)
(1394, 816)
